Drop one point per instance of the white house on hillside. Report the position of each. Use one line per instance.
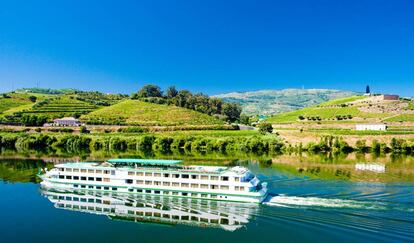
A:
(371, 127)
(64, 122)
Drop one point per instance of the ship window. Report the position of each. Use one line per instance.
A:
(83, 178)
(131, 173)
(91, 171)
(140, 174)
(184, 185)
(184, 194)
(61, 177)
(69, 177)
(130, 189)
(83, 186)
(91, 179)
(157, 174)
(75, 186)
(166, 175)
(157, 183)
(214, 178)
(147, 191)
(185, 176)
(236, 178)
(76, 199)
(98, 187)
(83, 170)
(225, 178)
(157, 192)
(98, 171)
(166, 183)
(129, 181)
(98, 178)
(175, 184)
(106, 188)
(68, 169)
(75, 170)
(175, 193)
(166, 192)
(139, 182)
(224, 187)
(204, 220)
(112, 172)
(148, 182)
(204, 195)
(114, 189)
(242, 188)
(148, 174)
(106, 172)
(194, 177)
(204, 186)
(194, 185)
(76, 177)
(139, 190)
(214, 187)
(204, 177)
(176, 175)
(213, 196)
(107, 180)
(61, 169)
(237, 188)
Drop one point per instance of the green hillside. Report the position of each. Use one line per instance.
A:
(135, 112)
(270, 102)
(354, 109)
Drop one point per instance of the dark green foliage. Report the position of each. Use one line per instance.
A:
(148, 90)
(171, 92)
(33, 120)
(232, 111)
(83, 129)
(265, 127)
(244, 119)
(32, 98)
(133, 130)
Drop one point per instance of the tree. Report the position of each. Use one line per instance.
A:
(148, 91)
(265, 127)
(367, 90)
(32, 98)
(244, 119)
(232, 111)
(171, 92)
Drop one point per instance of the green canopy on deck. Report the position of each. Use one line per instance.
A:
(145, 161)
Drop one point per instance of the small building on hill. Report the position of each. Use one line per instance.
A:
(390, 97)
(66, 122)
(371, 127)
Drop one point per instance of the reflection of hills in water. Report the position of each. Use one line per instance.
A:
(155, 209)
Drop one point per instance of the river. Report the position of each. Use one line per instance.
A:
(311, 200)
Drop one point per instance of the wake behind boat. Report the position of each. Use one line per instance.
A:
(166, 177)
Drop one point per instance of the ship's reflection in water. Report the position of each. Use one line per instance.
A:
(229, 216)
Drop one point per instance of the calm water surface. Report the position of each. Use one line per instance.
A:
(302, 208)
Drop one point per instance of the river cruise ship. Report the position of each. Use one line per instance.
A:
(162, 177)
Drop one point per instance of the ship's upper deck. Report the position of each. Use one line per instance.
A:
(154, 165)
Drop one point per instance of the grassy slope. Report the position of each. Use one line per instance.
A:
(59, 106)
(134, 112)
(18, 102)
(327, 113)
(342, 100)
(401, 118)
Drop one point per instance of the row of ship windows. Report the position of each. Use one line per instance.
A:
(155, 174)
(221, 221)
(156, 183)
(174, 193)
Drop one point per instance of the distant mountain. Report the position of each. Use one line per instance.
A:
(269, 102)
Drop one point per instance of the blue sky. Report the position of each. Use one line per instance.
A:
(209, 46)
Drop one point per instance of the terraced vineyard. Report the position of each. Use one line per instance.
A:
(134, 112)
(13, 101)
(61, 106)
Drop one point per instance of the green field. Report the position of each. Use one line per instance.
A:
(402, 118)
(324, 113)
(134, 112)
(342, 101)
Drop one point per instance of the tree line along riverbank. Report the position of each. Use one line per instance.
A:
(194, 141)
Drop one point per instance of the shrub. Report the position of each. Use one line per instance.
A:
(265, 127)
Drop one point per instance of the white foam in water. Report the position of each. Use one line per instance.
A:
(294, 201)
